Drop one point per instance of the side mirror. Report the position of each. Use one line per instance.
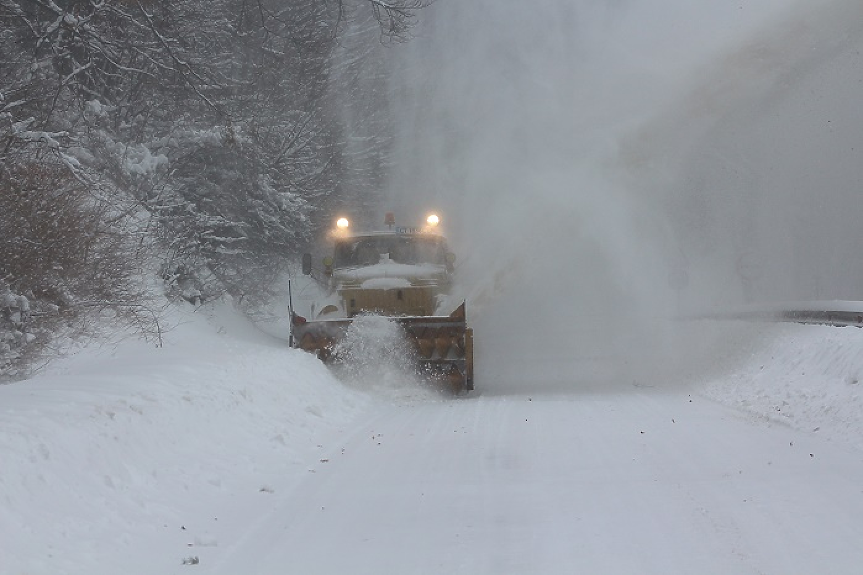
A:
(307, 264)
(450, 261)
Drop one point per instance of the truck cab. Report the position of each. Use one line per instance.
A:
(399, 272)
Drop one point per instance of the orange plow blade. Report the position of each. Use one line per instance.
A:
(443, 345)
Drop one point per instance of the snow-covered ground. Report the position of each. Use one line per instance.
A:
(806, 377)
(233, 454)
(130, 459)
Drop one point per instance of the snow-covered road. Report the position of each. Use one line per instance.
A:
(646, 481)
(229, 454)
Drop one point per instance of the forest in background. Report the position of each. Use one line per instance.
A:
(197, 142)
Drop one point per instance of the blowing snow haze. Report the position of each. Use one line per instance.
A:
(605, 165)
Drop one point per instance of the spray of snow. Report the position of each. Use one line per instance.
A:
(375, 355)
(605, 167)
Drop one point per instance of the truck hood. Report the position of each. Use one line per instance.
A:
(389, 275)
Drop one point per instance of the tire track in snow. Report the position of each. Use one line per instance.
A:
(644, 482)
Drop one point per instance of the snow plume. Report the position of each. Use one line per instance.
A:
(375, 355)
(601, 166)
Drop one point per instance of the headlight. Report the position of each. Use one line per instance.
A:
(433, 220)
(342, 223)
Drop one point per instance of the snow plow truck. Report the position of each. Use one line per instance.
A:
(403, 274)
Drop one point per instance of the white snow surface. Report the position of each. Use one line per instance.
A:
(807, 377)
(386, 283)
(390, 270)
(227, 450)
(121, 460)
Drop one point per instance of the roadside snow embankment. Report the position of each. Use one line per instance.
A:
(112, 462)
(808, 377)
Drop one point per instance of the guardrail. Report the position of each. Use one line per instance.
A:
(824, 317)
(834, 313)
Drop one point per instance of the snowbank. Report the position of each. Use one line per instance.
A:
(112, 462)
(806, 376)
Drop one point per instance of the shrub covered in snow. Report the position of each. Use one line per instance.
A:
(62, 249)
(14, 320)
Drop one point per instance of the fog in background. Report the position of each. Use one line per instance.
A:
(602, 167)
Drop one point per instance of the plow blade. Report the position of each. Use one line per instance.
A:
(443, 345)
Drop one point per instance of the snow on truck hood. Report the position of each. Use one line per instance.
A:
(385, 275)
(386, 283)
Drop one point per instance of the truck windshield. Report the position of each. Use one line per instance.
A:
(356, 252)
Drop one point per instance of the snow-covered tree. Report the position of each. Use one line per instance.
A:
(226, 129)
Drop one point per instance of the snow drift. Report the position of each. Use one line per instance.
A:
(114, 460)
